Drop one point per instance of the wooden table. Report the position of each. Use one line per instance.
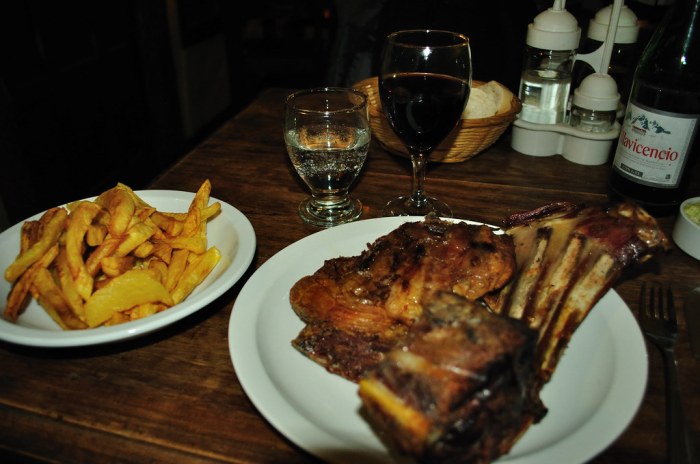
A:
(173, 396)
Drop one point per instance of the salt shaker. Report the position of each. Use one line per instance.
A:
(594, 104)
(551, 43)
(625, 52)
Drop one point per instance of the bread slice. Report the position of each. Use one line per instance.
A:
(500, 94)
(480, 105)
(487, 100)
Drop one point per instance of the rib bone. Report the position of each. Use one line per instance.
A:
(567, 258)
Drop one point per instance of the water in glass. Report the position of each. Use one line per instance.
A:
(327, 136)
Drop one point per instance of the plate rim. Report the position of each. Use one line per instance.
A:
(242, 338)
(247, 243)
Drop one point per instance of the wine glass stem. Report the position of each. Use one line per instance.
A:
(419, 162)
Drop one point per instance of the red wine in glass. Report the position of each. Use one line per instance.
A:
(423, 108)
(424, 84)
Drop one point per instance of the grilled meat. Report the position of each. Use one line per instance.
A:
(568, 257)
(458, 388)
(442, 378)
(356, 308)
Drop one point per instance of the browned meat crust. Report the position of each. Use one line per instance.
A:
(568, 257)
(364, 304)
(459, 388)
(442, 378)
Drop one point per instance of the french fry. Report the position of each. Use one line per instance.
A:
(52, 222)
(51, 298)
(193, 221)
(196, 244)
(96, 234)
(144, 310)
(121, 206)
(117, 318)
(135, 236)
(29, 235)
(70, 291)
(113, 266)
(177, 266)
(169, 225)
(80, 220)
(111, 260)
(162, 251)
(134, 287)
(20, 290)
(106, 248)
(144, 250)
(138, 200)
(159, 269)
(207, 213)
(195, 273)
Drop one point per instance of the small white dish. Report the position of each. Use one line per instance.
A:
(686, 232)
(230, 231)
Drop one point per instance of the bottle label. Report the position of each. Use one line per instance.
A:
(653, 145)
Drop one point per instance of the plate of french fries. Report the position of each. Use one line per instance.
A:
(119, 265)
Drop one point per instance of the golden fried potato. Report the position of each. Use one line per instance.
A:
(113, 266)
(134, 287)
(52, 223)
(105, 249)
(29, 235)
(121, 206)
(159, 269)
(135, 236)
(177, 266)
(195, 272)
(70, 290)
(17, 298)
(96, 234)
(80, 219)
(52, 299)
(111, 260)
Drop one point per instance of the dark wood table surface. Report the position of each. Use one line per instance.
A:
(173, 396)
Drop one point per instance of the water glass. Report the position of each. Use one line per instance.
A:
(327, 134)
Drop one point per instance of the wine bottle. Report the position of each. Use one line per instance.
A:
(658, 142)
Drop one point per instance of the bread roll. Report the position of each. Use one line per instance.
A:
(479, 105)
(487, 100)
(500, 94)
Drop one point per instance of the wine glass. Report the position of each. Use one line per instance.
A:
(327, 134)
(424, 82)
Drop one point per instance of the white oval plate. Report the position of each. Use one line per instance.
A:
(593, 395)
(230, 231)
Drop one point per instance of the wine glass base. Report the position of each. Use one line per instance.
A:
(407, 206)
(322, 215)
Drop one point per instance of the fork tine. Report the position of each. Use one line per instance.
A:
(655, 307)
(642, 300)
(657, 303)
(670, 309)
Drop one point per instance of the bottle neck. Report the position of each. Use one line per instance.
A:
(675, 46)
(682, 10)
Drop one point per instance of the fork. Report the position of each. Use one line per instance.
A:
(657, 317)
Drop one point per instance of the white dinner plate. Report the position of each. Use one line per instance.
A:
(592, 397)
(230, 231)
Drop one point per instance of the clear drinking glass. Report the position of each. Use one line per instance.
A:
(424, 83)
(327, 134)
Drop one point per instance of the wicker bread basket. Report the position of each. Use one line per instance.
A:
(469, 138)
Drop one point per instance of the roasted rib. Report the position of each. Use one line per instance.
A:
(459, 388)
(568, 256)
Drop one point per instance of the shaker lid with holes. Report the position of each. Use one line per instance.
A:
(627, 26)
(598, 91)
(554, 29)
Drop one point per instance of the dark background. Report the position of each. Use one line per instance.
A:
(98, 92)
